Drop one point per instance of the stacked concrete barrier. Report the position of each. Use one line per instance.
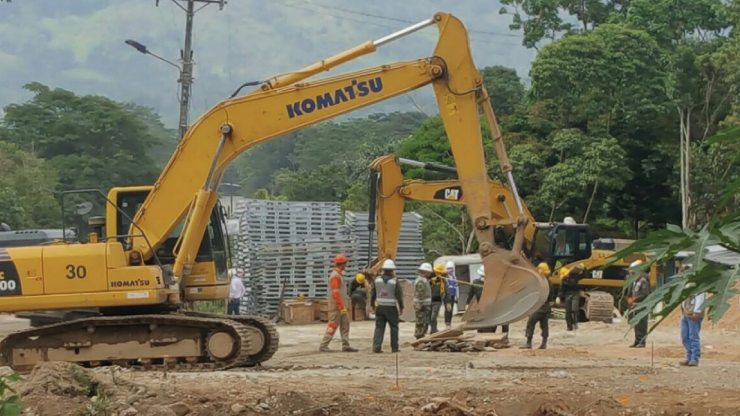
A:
(409, 254)
(288, 247)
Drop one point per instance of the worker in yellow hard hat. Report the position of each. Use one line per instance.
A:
(541, 315)
(438, 283)
(570, 292)
(358, 295)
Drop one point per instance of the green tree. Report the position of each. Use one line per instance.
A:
(26, 190)
(587, 167)
(91, 141)
(543, 19)
(504, 87)
(597, 79)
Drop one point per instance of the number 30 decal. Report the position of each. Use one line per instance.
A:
(73, 271)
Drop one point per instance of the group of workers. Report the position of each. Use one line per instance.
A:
(438, 286)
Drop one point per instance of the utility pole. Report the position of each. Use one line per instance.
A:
(186, 56)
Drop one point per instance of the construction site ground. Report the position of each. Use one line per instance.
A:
(587, 372)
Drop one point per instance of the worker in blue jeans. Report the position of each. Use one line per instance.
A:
(236, 292)
(690, 329)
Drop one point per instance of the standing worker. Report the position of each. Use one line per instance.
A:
(691, 326)
(236, 293)
(453, 293)
(476, 287)
(439, 294)
(476, 290)
(570, 293)
(337, 311)
(389, 298)
(358, 295)
(640, 290)
(422, 300)
(542, 315)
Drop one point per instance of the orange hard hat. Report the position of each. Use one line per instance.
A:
(340, 259)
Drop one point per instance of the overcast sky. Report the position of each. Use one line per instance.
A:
(78, 44)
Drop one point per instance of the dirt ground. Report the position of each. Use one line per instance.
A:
(589, 372)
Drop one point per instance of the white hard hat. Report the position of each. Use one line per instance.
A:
(425, 267)
(389, 265)
(569, 220)
(635, 264)
(450, 264)
(482, 271)
(232, 272)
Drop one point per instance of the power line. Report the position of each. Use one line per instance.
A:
(395, 19)
(293, 5)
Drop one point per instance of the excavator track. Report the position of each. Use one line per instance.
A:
(599, 306)
(170, 342)
(268, 330)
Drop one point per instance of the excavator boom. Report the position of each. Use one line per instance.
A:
(283, 104)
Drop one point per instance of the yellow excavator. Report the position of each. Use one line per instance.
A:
(140, 294)
(560, 245)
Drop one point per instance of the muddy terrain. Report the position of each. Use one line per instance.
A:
(587, 372)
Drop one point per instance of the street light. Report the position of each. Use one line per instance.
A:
(183, 128)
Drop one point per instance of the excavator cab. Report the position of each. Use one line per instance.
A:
(562, 244)
(208, 278)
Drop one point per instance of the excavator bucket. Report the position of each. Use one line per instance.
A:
(511, 291)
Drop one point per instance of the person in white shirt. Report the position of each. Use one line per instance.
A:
(236, 293)
(691, 326)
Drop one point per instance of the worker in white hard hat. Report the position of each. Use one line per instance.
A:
(236, 292)
(452, 293)
(476, 288)
(422, 299)
(638, 292)
(387, 303)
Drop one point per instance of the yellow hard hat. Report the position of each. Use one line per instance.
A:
(440, 268)
(360, 278)
(543, 268)
(563, 271)
(635, 264)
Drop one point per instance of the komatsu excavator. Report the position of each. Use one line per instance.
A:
(140, 295)
(562, 245)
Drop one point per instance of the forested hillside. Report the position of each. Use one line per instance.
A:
(616, 90)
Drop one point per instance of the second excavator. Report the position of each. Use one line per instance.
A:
(140, 290)
(561, 245)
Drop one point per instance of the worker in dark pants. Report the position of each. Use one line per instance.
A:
(542, 315)
(388, 297)
(639, 291)
(476, 290)
(357, 295)
(570, 293)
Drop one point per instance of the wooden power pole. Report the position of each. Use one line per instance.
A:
(186, 56)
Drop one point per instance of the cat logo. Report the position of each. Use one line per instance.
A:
(452, 193)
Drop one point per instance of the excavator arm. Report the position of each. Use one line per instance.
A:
(391, 192)
(186, 189)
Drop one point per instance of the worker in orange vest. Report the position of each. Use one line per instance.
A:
(337, 311)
